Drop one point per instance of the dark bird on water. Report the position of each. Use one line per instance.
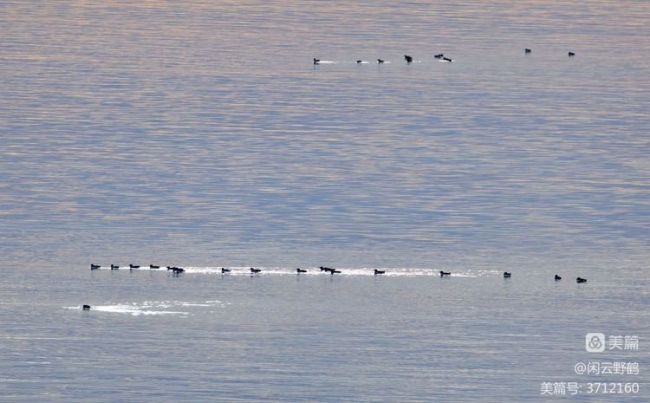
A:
(359, 61)
(153, 266)
(316, 61)
(299, 270)
(380, 61)
(581, 280)
(379, 272)
(527, 51)
(86, 307)
(254, 270)
(224, 270)
(408, 59)
(447, 59)
(444, 273)
(94, 266)
(332, 271)
(571, 54)
(114, 267)
(506, 274)
(439, 56)
(133, 266)
(557, 278)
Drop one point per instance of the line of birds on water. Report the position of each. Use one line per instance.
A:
(178, 270)
(440, 56)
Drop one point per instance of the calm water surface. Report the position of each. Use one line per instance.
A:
(200, 134)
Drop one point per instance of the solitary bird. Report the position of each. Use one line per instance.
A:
(506, 274)
(254, 270)
(581, 280)
(557, 278)
(380, 61)
(299, 270)
(86, 307)
(114, 267)
(408, 59)
(571, 54)
(444, 273)
(94, 266)
(447, 59)
(527, 51)
(153, 266)
(359, 61)
(379, 272)
(316, 61)
(224, 270)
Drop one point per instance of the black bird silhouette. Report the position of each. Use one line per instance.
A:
(379, 272)
(526, 51)
(571, 54)
(380, 61)
(444, 273)
(408, 59)
(581, 280)
(359, 61)
(557, 278)
(439, 56)
(316, 61)
(506, 274)
(114, 267)
(254, 270)
(447, 59)
(94, 266)
(299, 270)
(153, 266)
(224, 270)
(86, 307)
(133, 266)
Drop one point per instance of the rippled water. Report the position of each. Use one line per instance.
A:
(200, 134)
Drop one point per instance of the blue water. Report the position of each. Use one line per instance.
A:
(200, 134)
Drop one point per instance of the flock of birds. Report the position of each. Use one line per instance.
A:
(440, 56)
(178, 270)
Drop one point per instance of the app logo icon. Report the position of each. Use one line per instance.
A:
(595, 342)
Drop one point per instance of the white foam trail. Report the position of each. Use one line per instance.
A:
(153, 307)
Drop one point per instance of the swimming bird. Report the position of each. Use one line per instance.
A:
(380, 61)
(254, 270)
(408, 59)
(316, 61)
(439, 56)
(359, 61)
(444, 273)
(325, 269)
(86, 307)
(447, 59)
(299, 270)
(379, 272)
(527, 51)
(114, 267)
(224, 270)
(133, 266)
(506, 274)
(557, 278)
(335, 271)
(571, 54)
(153, 266)
(581, 280)
(94, 266)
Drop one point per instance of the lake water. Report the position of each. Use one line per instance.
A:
(200, 134)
